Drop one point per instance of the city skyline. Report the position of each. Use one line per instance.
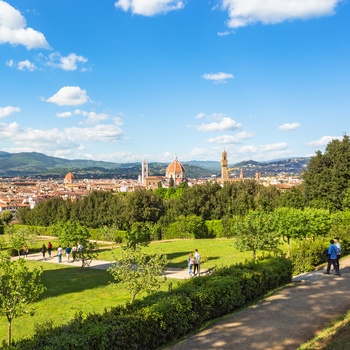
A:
(133, 80)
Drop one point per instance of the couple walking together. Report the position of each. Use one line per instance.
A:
(193, 262)
(334, 253)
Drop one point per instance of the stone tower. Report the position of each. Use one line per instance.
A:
(224, 163)
(144, 172)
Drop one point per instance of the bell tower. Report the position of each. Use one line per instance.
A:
(144, 172)
(224, 163)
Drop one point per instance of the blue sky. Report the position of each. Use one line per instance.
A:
(134, 80)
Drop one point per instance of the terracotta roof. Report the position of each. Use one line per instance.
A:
(175, 167)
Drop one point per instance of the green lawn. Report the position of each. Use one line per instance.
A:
(216, 252)
(70, 289)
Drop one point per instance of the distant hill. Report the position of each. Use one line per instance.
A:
(33, 164)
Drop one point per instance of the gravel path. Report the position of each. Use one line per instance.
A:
(284, 321)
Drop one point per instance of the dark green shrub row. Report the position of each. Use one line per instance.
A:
(161, 318)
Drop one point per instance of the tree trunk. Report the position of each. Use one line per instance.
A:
(9, 333)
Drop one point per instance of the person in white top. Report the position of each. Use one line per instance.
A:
(59, 254)
(197, 261)
(337, 244)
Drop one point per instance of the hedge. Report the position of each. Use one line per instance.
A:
(166, 316)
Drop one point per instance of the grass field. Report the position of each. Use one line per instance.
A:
(70, 289)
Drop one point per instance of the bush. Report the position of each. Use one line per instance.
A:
(163, 317)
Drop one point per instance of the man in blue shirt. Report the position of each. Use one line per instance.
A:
(332, 253)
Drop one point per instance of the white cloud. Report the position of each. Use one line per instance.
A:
(263, 152)
(228, 139)
(92, 117)
(218, 77)
(14, 30)
(56, 140)
(323, 141)
(225, 33)
(245, 12)
(67, 63)
(64, 114)
(69, 96)
(22, 65)
(289, 126)
(6, 111)
(224, 124)
(149, 7)
(200, 115)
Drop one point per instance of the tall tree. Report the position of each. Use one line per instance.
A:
(327, 178)
(19, 287)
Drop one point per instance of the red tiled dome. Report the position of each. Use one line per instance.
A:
(175, 169)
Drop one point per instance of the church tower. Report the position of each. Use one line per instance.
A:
(224, 163)
(144, 172)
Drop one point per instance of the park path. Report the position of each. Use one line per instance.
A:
(283, 321)
(176, 273)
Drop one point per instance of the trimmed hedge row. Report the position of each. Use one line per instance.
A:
(161, 318)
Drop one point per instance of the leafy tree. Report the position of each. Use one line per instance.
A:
(319, 221)
(292, 198)
(327, 178)
(267, 198)
(255, 233)
(19, 287)
(139, 271)
(188, 226)
(290, 223)
(18, 238)
(6, 217)
(72, 232)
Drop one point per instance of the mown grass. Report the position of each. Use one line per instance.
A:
(214, 252)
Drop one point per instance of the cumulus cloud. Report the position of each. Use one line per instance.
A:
(263, 152)
(14, 30)
(64, 114)
(245, 12)
(228, 139)
(220, 77)
(92, 117)
(69, 96)
(289, 126)
(6, 111)
(224, 124)
(200, 115)
(53, 140)
(323, 141)
(149, 7)
(67, 63)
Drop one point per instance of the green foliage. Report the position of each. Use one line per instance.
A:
(19, 287)
(18, 239)
(255, 233)
(215, 228)
(6, 217)
(155, 321)
(140, 271)
(190, 226)
(327, 177)
(307, 254)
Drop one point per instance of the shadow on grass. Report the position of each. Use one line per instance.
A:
(73, 280)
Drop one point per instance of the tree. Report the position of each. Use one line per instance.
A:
(6, 217)
(326, 180)
(19, 287)
(255, 233)
(18, 239)
(139, 271)
(72, 232)
(290, 223)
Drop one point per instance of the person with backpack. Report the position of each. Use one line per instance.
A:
(43, 250)
(332, 252)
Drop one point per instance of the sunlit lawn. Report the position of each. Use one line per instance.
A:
(71, 290)
(218, 252)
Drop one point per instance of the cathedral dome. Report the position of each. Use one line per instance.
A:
(69, 178)
(175, 170)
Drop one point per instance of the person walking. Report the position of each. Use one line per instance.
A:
(68, 250)
(337, 244)
(49, 249)
(59, 254)
(43, 250)
(197, 261)
(74, 252)
(25, 250)
(332, 253)
(190, 263)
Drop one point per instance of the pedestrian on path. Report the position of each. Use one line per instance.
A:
(197, 261)
(43, 250)
(190, 263)
(68, 250)
(25, 250)
(337, 244)
(49, 249)
(332, 253)
(59, 254)
(74, 252)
